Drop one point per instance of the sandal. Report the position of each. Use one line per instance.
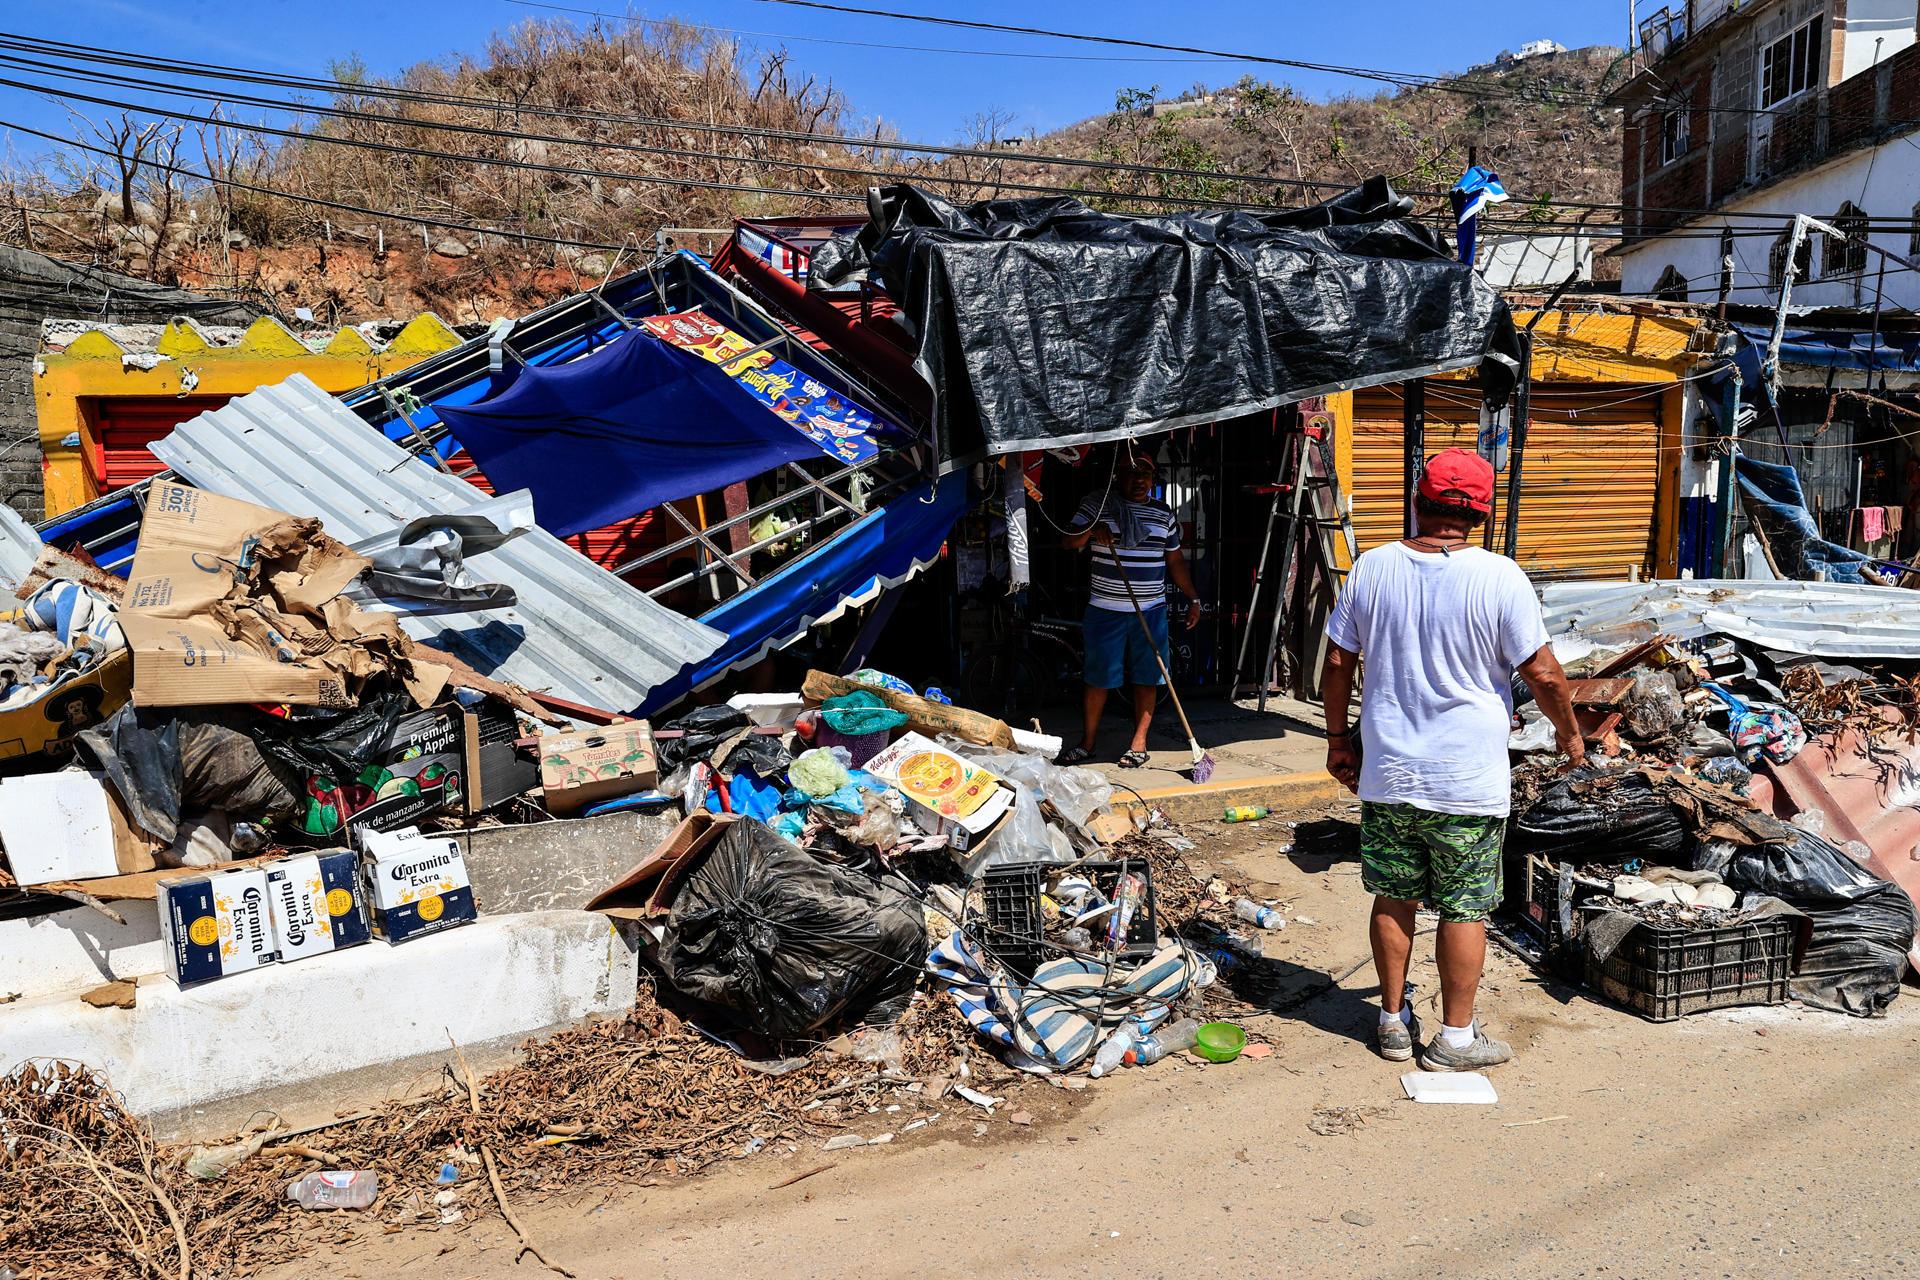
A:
(1133, 760)
(1073, 755)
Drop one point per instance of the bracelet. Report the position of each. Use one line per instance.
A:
(1339, 733)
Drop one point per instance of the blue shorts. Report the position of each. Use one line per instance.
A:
(1117, 651)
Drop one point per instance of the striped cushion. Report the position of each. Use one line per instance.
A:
(1053, 1031)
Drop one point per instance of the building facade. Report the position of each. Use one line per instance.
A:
(1740, 114)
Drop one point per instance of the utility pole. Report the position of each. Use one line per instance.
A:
(1633, 40)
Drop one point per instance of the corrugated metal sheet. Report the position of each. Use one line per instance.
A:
(578, 632)
(20, 546)
(1588, 481)
(1820, 619)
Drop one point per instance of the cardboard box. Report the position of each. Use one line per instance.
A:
(69, 826)
(317, 903)
(644, 890)
(581, 767)
(45, 727)
(428, 764)
(947, 795)
(416, 884)
(214, 926)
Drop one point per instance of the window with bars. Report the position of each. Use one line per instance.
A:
(1671, 286)
(1846, 254)
(1777, 259)
(1791, 65)
(1676, 128)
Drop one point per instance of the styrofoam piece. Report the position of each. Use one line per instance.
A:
(1040, 744)
(503, 976)
(767, 709)
(56, 826)
(1449, 1086)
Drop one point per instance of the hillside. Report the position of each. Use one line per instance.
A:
(626, 129)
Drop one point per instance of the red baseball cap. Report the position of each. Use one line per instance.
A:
(1458, 477)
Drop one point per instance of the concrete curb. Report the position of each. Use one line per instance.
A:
(1199, 802)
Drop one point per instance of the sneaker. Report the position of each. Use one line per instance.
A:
(1394, 1040)
(1484, 1052)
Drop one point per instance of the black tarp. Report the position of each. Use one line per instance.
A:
(1044, 322)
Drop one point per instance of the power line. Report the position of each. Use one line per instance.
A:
(857, 44)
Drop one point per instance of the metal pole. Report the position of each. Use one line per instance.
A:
(1413, 422)
(1517, 449)
(1729, 485)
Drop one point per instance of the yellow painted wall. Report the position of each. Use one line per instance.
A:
(70, 384)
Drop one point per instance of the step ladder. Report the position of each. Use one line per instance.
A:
(1317, 519)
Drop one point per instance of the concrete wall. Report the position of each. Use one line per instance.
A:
(1884, 181)
(1887, 24)
(176, 1049)
(34, 287)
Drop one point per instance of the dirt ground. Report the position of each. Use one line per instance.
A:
(1781, 1142)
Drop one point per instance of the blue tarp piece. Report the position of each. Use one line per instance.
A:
(1477, 189)
(633, 425)
(1836, 349)
(879, 550)
(1775, 499)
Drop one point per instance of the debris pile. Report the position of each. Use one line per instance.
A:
(1697, 831)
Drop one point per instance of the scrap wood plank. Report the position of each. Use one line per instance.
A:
(1599, 692)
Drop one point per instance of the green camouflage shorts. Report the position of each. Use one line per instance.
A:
(1448, 859)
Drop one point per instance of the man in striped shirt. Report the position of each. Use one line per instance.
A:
(1136, 548)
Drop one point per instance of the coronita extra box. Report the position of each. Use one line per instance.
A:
(216, 925)
(416, 884)
(317, 903)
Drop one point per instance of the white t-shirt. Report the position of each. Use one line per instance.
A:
(1439, 636)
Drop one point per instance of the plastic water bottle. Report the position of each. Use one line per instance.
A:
(1244, 813)
(1113, 1051)
(1148, 1050)
(1258, 916)
(336, 1189)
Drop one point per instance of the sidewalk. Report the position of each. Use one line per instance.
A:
(1275, 758)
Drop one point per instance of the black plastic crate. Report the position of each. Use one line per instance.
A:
(1550, 911)
(1015, 927)
(1663, 974)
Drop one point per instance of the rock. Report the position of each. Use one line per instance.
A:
(591, 264)
(1357, 1217)
(880, 1141)
(451, 248)
(843, 1141)
(1020, 1117)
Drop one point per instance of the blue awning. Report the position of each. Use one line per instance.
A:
(631, 426)
(880, 550)
(1839, 349)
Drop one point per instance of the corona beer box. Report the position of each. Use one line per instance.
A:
(316, 902)
(417, 884)
(216, 925)
(950, 797)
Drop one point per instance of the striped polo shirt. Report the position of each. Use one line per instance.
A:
(1145, 562)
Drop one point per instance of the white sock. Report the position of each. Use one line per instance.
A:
(1457, 1037)
(1405, 1016)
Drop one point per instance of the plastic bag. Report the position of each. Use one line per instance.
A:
(1076, 794)
(1863, 926)
(703, 730)
(861, 712)
(23, 653)
(761, 753)
(1653, 708)
(821, 771)
(1602, 821)
(161, 763)
(787, 943)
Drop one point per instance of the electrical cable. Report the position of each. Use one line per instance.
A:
(97, 54)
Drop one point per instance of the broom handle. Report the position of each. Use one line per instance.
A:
(1141, 617)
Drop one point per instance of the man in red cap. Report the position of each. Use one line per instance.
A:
(1442, 626)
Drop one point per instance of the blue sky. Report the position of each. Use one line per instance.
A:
(928, 96)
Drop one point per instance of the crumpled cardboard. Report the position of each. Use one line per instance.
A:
(230, 602)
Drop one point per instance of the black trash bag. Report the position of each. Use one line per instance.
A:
(761, 754)
(161, 763)
(335, 743)
(785, 942)
(1863, 926)
(1611, 822)
(705, 728)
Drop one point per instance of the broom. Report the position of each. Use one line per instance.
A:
(1202, 762)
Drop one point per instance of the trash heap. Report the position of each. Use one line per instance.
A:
(1685, 867)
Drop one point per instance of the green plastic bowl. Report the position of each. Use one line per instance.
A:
(1219, 1041)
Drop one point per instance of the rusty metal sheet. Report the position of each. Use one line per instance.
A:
(1597, 692)
(1869, 793)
